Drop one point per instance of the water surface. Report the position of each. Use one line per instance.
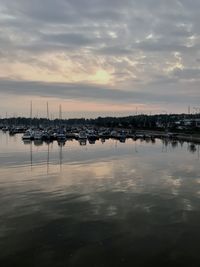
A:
(105, 204)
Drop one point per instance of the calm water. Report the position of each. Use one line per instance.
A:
(110, 204)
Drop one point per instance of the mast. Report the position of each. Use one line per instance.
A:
(188, 110)
(31, 110)
(60, 112)
(31, 113)
(47, 111)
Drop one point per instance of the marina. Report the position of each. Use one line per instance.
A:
(91, 135)
(182, 127)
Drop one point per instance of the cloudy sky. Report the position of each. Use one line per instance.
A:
(99, 57)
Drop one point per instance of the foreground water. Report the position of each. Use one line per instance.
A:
(111, 204)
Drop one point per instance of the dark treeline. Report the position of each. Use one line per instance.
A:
(138, 121)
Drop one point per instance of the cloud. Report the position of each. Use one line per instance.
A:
(187, 74)
(147, 47)
(91, 92)
(114, 51)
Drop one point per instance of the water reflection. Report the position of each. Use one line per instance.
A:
(192, 148)
(92, 142)
(166, 143)
(174, 143)
(61, 144)
(38, 142)
(112, 204)
(83, 142)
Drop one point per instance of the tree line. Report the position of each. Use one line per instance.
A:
(138, 121)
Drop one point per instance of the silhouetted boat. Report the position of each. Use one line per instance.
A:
(28, 135)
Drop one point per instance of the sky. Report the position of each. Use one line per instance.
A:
(99, 57)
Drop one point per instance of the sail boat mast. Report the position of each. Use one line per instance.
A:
(47, 111)
(60, 112)
(31, 110)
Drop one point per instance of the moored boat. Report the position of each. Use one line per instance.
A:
(28, 135)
